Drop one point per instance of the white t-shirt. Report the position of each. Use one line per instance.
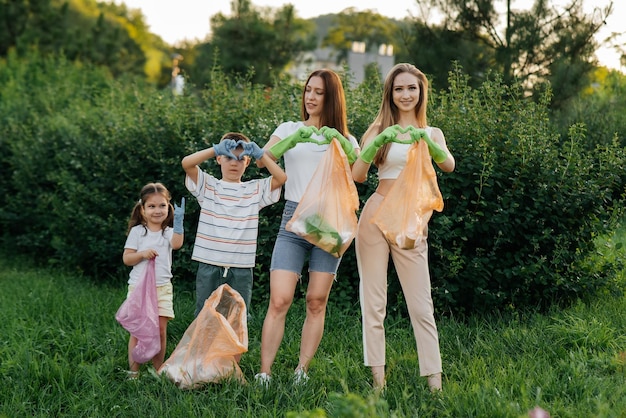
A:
(229, 218)
(141, 238)
(302, 160)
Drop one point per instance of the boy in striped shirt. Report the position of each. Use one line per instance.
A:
(226, 240)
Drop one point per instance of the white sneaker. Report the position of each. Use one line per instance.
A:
(300, 377)
(262, 379)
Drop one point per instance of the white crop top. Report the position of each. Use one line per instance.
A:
(396, 159)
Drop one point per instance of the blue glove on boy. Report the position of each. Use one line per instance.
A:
(251, 149)
(225, 147)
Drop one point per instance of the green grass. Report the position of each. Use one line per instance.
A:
(63, 354)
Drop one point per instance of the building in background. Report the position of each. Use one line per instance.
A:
(358, 60)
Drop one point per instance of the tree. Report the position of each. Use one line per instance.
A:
(434, 49)
(545, 45)
(79, 30)
(258, 42)
(351, 26)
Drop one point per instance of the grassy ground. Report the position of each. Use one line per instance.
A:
(63, 354)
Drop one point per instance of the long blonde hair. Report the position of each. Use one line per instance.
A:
(388, 113)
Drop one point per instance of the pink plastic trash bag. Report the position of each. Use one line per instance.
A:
(405, 211)
(206, 352)
(139, 315)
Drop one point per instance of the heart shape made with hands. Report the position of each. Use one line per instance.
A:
(325, 131)
(415, 133)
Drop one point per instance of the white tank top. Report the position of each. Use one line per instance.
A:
(396, 159)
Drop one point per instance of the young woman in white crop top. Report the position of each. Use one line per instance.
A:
(323, 104)
(404, 102)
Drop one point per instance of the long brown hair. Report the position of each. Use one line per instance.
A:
(334, 114)
(388, 113)
(136, 216)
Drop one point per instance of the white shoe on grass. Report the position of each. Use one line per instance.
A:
(300, 377)
(262, 379)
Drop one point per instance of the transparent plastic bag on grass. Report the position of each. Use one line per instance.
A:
(326, 214)
(405, 211)
(139, 315)
(206, 352)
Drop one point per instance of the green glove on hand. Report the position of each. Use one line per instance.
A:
(292, 140)
(346, 145)
(369, 151)
(435, 151)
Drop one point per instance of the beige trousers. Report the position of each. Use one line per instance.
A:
(372, 254)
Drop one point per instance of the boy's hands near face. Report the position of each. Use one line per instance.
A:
(225, 148)
(251, 149)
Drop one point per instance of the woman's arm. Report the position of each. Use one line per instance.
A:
(261, 161)
(360, 168)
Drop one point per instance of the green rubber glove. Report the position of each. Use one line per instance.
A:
(435, 151)
(416, 134)
(292, 140)
(369, 151)
(346, 145)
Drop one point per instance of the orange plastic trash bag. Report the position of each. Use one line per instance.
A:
(404, 213)
(206, 352)
(326, 214)
(139, 315)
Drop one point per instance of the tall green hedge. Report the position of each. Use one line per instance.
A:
(521, 212)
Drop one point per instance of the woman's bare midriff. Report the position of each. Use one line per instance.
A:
(384, 186)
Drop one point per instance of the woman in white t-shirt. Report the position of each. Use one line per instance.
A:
(323, 105)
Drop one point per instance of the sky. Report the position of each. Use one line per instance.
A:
(178, 20)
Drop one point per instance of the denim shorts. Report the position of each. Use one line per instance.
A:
(291, 250)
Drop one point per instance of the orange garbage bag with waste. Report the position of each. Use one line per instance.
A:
(209, 350)
(405, 211)
(326, 214)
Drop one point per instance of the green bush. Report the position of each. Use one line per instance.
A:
(521, 210)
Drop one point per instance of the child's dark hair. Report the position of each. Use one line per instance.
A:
(136, 216)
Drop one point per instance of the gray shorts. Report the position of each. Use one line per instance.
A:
(291, 250)
(210, 277)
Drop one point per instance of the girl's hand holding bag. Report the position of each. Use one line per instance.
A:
(326, 214)
(139, 315)
(405, 211)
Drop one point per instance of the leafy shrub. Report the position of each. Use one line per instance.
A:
(521, 210)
